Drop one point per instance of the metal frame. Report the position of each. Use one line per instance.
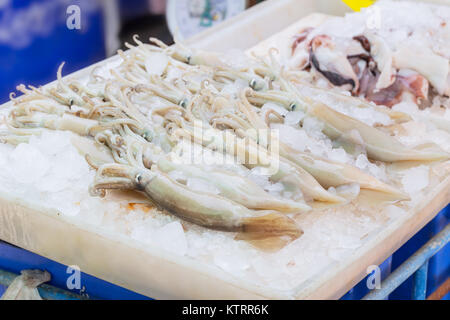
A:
(416, 265)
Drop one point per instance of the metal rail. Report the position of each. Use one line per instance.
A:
(417, 264)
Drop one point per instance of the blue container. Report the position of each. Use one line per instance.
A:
(361, 289)
(438, 267)
(35, 40)
(14, 259)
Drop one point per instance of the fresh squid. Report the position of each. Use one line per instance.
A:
(235, 187)
(369, 67)
(379, 145)
(332, 63)
(204, 209)
(129, 128)
(330, 173)
(229, 184)
(280, 170)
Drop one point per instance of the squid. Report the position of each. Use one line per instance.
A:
(202, 208)
(330, 173)
(432, 66)
(280, 170)
(229, 184)
(379, 145)
(133, 144)
(235, 187)
(332, 63)
(370, 67)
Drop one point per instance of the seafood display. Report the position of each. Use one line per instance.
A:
(254, 171)
(381, 54)
(162, 100)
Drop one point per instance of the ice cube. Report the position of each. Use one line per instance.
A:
(338, 155)
(28, 164)
(293, 118)
(415, 179)
(232, 261)
(362, 162)
(156, 63)
(349, 191)
(257, 176)
(93, 209)
(51, 143)
(268, 268)
(295, 138)
(171, 237)
(313, 127)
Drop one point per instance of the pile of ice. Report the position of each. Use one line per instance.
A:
(398, 22)
(427, 125)
(369, 116)
(49, 171)
(47, 168)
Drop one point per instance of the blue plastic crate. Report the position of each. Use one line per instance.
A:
(14, 259)
(360, 290)
(438, 269)
(439, 265)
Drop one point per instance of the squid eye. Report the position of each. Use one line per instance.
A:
(257, 84)
(139, 180)
(183, 103)
(292, 106)
(147, 135)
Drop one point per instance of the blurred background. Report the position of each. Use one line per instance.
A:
(37, 35)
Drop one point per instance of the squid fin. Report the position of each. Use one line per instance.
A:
(271, 244)
(269, 232)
